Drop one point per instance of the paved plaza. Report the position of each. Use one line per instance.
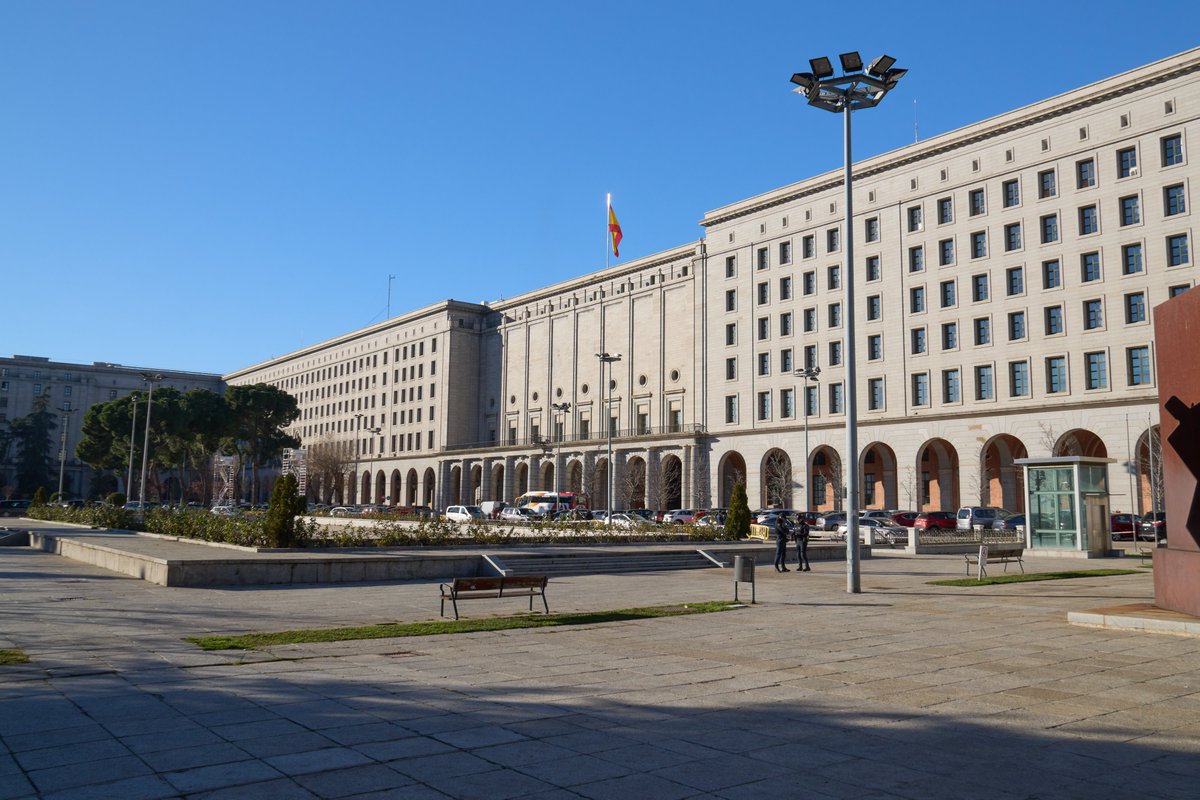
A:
(904, 691)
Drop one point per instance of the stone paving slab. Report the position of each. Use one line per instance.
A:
(904, 691)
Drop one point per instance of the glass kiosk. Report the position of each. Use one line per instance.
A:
(1066, 503)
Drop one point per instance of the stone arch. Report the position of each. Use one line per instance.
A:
(877, 471)
(670, 483)
(632, 492)
(474, 490)
(456, 487)
(410, 488)
(429, 487)
(828, 478)
(1080, 442)
(1148, 464)
(364, 487)
(1001, 482)
(522, 479)
(546, 475)
(730, 470)
(497, 478)
(599, 488)
(575, 477)
(380, 488)
(935, 484)
(777, 480)
(397, 497)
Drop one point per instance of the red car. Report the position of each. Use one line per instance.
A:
(905, 519)
(937, 519)
(1124, 526)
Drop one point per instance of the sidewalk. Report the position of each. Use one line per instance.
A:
(906, 690)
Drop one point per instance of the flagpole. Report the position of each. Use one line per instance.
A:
(607, 232)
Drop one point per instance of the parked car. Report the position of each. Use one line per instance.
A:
(13, 508)
(1124, 526)
(946, 520)
(519, 515)
(716, 521)
(680, 516)
(138, 505)
(463, 513)
(884, 528)
(905, 519)
(492, 508)
(1009, 523)
(970, 516)
(1154, 527)
(875, 513)
(830, 521)
(646, 515)
(623, 521)
(343, 511)
(579, 513)
(226, 511)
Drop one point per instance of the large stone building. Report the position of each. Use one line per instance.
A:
(1006, 275)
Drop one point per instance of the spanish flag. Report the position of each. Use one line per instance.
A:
(614, 230)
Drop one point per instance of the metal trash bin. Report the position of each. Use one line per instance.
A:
(743, 572)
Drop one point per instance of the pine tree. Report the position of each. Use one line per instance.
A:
(737, 524)
(281, 525)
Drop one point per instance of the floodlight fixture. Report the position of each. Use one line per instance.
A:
(821, 67)
(880, 66)
(851, 62)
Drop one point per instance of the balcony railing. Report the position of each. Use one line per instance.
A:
(593, 439)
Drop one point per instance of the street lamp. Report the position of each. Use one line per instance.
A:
(854, 90)
(562, 408)
(606, 358)
(807, 373)
(132, 431)
(62, 450)
(150, 378)
(358, 418)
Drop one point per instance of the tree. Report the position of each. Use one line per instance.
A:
(31, 434)
(327, 466)
(633, 484)
(777, 479)
(737, 524)
(280, 526)
(258, 414)
(670, 484)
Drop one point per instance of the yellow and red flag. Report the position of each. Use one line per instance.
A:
(614, 230)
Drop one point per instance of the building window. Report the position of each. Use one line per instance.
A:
(785, 252)
(810, 356)
(949, 335)
(37, 390)
(1047, 186)
(1018, 379)
(837, 399)
(1089, 267)
(1172, 150)
(945, 211)
(916, 299)
(979, 244)
(810, 320)
(764, 363)
(1130, 212)
(785, 360)
(1175, 291)
(835, 353)
(834, 276)
(763, 262)
(1097, 370)
(1085, 173)
(1177, 250)
(1050, 228)
(949, 294)
(977, 202)
(1014, 279)
(731, 369)
(731, 333)
(764, 405)
(920, 389)
(785, 288)
(918, 341)
(730, 266)
(764, 293)
(810, 401)
(835, 315)
(874, 307)
(1054, 320)
(914, 219)
(979, 288)
(1016, 326)
(1174, 201)
(1093, 314)
(808, 246)
(731, 409)
(1051, 274)
(874, 347)
(764, 328)
(951, 386)
(1012, 193)
(946, 252)
(983, 331)
(731, 299)
(1089, 220)
(1138, 359)
(871, 232)
(875, 394)
(1131, 258)
(785, 324)
(787, 403)
(985, 383)
(916, 258)
(809, 283)
(833, 240)
(874, 272)
(1135, 308)
(1056, 374)
(1126, 162)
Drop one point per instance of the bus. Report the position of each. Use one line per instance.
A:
(542, 503)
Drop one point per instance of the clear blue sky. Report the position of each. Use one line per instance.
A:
(204, 185)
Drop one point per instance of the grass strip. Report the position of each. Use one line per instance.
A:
(254, 641)
(1035, 576)
(10, 657)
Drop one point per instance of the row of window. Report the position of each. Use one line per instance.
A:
(1176, 250)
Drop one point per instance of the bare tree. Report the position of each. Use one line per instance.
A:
(830, 471)
(670, 484)
(633, 484)
(911, 486)
(1149, 464)
(777, 479)
(1049, 439)
(327, 465)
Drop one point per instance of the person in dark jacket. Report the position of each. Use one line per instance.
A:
(781, 532)
(800, 534)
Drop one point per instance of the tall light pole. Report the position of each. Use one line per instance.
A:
(856, 88)
(562, 408)
(132, 432)
(807, 373)
(606, 358)
(358, 418)
(150, 378)
(62, 450)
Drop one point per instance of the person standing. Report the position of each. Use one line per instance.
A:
(801, 532)
(780, 529)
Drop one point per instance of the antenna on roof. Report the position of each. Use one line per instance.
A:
(916, 138)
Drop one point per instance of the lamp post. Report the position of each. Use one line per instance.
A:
(132, 432)
(62, 450)
(606, 358)
(807, 373)
(857, 88)
(562, 408)
(358, 418)
(150, 378)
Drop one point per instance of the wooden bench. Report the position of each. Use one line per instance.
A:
(530, 586)
(1005, 555)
